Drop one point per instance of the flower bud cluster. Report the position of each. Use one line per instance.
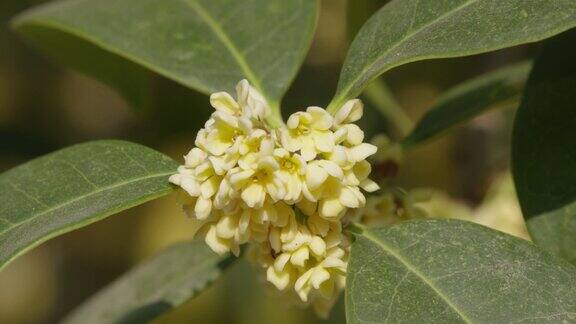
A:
(285, 190)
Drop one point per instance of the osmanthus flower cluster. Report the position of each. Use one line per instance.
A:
(285, 190)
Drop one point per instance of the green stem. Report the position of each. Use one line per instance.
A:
(334, 106)
(274, 119)
(382, 98)
(356, 228)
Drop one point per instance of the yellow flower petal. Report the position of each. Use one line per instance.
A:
(361, 152)
(227, 227)
(348, 198)
(202, 208)
(320, 118)
(324, 141)
(369, 185)
(278, 279)
(319, 275)
(254, 195)
(218, 245)
(195, 157)
(281, 261)
(222, 101)
(315, 175)
(350, 112)
(318, 246)
(308, 148)
(354, 135)
(300, 256)
(331, 208)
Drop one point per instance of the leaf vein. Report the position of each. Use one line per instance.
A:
(411, 268)
(82, 175)
(227, 42)
(71, 201)
(401, 42)
(27, 195)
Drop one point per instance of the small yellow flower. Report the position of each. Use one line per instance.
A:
(292, 170)
(319, 171)
(348, 132)
(349, 113)
(325, 277)
(223, 133)
(255, 106)
(218, 244)
(200, 182)
(309, 132)
(250, 103)
(256, 183)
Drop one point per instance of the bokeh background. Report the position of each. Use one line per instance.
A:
(44, 106)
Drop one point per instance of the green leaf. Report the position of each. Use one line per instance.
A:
(556, 232)
(453, 271)
(159, 284)
(500, 88)
(132, 81)
(377, 92)
(207, 45)
(544, 150)
(405, 31)
(74, 187)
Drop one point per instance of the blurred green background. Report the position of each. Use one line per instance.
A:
(44, 106)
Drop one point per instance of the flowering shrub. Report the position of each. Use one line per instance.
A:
(298, 193)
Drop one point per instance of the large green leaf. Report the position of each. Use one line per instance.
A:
(154, 287)
(544, 150)
(469, 99)
(405, 31)
(377, 93)
(208, 45)
(74, 187)
(452, 271)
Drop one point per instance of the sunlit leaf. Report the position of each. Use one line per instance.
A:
(154, 287)
(75, 187)
(500, 88)
(405, 31)
(207, 45)
(544, 150)
(452, 271)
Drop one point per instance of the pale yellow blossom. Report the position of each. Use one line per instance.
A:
(309, 132)
(259, 182)
(325, 277)
(285, 190)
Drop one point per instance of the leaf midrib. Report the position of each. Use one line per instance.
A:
(85, 196)
(228, 43)
(401, 42)
(411, 268)
(209, 20)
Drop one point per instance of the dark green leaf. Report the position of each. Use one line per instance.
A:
(468, 100)
(405, 31)
(154, 287)
(452, 271)
(208, 45)
(75, 187)
(556, 232)
(377, 92)
(544, 150)
(131, 81)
